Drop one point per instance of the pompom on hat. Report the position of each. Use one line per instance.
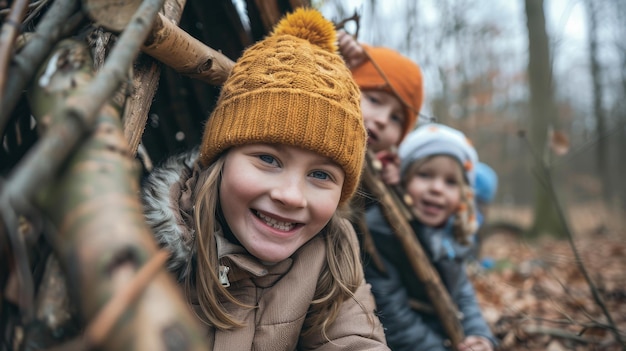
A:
(388, 70)
(486, 183)
(292, 88)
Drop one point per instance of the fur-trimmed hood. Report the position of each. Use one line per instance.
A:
(164, 194)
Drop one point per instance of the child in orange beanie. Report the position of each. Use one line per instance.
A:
(251, 217)
(392, 93)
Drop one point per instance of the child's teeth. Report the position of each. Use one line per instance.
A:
(284, 226)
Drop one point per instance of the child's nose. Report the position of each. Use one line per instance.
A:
(437, 185)
(289, 192)
(382, 118)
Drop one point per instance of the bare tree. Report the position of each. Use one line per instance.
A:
(543, 113)
(620, 110)
(602, 149)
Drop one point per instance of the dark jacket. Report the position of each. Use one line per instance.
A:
(405, 327)
(282, 293)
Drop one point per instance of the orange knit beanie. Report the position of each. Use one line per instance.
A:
(390, 71)
(292, 88)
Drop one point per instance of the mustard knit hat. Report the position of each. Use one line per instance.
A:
(292, 88)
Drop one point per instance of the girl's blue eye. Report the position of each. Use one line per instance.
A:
(320, 175)
(268, 159)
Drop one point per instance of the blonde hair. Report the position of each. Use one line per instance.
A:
(339, 279)
(464, 224)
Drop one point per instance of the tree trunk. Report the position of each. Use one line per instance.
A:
(602, 150)
(543, 115)
(620, 169)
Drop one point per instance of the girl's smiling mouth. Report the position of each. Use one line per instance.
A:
(431, 207)
(276, 224)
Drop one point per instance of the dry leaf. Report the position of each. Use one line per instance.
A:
(559, 142)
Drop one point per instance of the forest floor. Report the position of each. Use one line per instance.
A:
(535, 296)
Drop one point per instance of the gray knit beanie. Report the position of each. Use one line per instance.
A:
(438, 139)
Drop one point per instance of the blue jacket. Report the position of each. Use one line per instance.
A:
(406, 328)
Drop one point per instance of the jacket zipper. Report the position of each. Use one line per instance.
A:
(223, 275)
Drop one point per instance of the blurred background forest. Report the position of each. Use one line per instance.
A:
(475, 57)
(539, 87)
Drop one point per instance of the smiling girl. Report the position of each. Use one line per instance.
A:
(251, 217)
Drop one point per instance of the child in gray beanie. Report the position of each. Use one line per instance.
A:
(426, 145)
(437, 171)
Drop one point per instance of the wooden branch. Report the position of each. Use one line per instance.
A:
(49, 30)
(146, 76)
(101, 326)
(559, 333)
(112, 15)
(396, 216)
(187, 55)
(103, 243)
(54, 306)
(357, 22)
(53, 149)
(367, 242)
(55, 311)
(8, 33)
(4, 12)
(80, 110)
(168, 44)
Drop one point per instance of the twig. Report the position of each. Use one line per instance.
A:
(559, 333)
(104, 321)
(38, 6)
(20, 255)
(356, 18)
(594, 291)
(145, 81)
(51, 28)
(31, 5)
(9, 31)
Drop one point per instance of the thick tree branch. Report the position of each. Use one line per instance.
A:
(186, 54)
(106, 249)
(8, 33)
(51, 28)
(39, 166)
